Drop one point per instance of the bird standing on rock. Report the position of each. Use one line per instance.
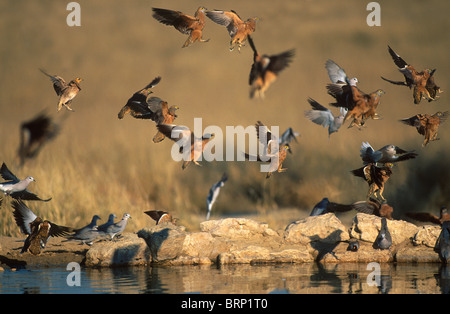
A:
(384, 239)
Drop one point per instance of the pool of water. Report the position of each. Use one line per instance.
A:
(235, 279)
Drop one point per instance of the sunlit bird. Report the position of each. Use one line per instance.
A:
(324, 117)
(87, 234)
(374, 207)
(384, 239)
(287, 137)
(427, 125)
(161, 216)
(422, 83)
(17, 188)
(236, 27)
(65, 91)
(429, 217)
(118, 227)
(37, 229)
(191, 146)
(34, 134)
(266, 68)
(108, 223)
(389, 153)
(185, 24)
(213, 194)
(375, 176)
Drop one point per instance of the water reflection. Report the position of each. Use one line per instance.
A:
(235, 279)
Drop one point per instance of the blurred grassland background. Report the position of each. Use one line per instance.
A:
(101, 165)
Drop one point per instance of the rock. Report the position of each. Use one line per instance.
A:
(232, 228)
(324, 228)
(261, 255)
(129, 250)
(427, 235)
(365, 254)
(422, 254)
(366, 228)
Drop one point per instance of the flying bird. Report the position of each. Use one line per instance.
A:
(185, 24)
(375, 176)
(65, 91)
(160, 216)
(272, 152)
(374, 207)
(37, 229)
(325, 206)
(266, 68)
(287, 137)
(136, 105)
(324, 117)
(384, 239)
(34, 134)
(386, 154)
(17, 188)
(429, 217)
(214, 193)
(236, 27)
(191, 147)
(427, 125)
(422, 83)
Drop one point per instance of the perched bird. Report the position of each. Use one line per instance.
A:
(236, 27)
(37, 229)
(272, 153)
(374, 207)
(287, 137)
(427, 125)
(102, 228)
(325, 206)
(34, 134)
(17, 188)
(214, 193)
(384, 239)
(88, 234)
(136, 105)
(375, 176)
(323, 116)
(422, 83)
(117, 227)
(444, 242)
(65, 91)
(191, 147)
(428, 217)
(185, 24)
(389, 153)
(266, 68)
(160, 216)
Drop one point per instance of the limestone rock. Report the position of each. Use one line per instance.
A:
(257, 254)
(324, 228)
(366, 228)
(232, 228)
(365, 254)
(422, 254)
(427, 235)
(128, 250)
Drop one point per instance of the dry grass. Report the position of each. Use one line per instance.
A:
(100, 164)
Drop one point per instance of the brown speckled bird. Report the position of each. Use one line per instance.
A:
(191, 147)
(422, 83)
(374, 207)
(65, 91)
(192, 26)
(428, 217)
(265, 69)
(273, 152)
(427, 125)
(34, 134)
(237, 28)
(375, 176)
(37, 229)
(137, 105)
(161, 216)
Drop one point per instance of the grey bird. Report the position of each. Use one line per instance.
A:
(108, 223)
(214, 193)
(444, 242)
(17, 188)
(118, 227)
(287, 137)
(324, 117)
(325, 206)
(353, 245)
(337, 74)
(38, 230)
(383, 240)
(387, 154)
(87, 234)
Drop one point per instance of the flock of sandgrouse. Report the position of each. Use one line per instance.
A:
(354, 105)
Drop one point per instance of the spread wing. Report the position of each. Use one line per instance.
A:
(23, 216)
(424, 217)
(7, 174)
(177, 19)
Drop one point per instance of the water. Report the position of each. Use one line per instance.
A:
(235, 279)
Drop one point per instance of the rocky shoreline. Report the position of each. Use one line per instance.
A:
(239, 241)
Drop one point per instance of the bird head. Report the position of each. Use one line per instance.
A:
(380, 92)
(30, 179)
